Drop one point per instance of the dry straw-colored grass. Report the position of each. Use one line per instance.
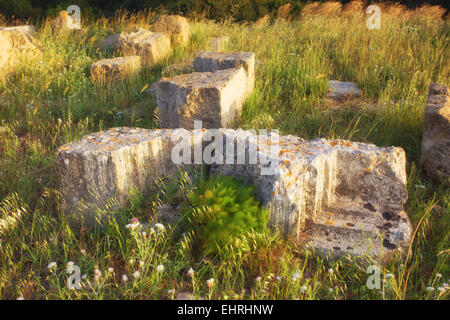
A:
(430, 12)
(357, 9)
(328, 9)
(284, 11)
(354, 9)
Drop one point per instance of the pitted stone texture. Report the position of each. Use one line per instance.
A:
(176, 26)
(27, 29)
(151, 47)
(215, 98)
(343, 90)
(436, 133)
(353, 192)
(108, 164)
(341, 197)
(13, 46)
(218, 44)
(212, 61)
(115, 69)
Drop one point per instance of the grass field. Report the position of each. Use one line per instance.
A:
(48, 103)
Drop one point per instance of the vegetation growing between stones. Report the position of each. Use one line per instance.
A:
(51, 102)
(222, 210)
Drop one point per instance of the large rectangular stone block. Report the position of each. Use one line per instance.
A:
(345, 197)
(115, 69)
(150, 46)
(336, 196)
(215, 98)
(176, 26)
(212, 61)
(108, 164)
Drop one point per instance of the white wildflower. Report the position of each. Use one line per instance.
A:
(210, 282)
(160, 268)
(51, 265)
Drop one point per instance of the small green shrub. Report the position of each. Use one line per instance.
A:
(224, 208)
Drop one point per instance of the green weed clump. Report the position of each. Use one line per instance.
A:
(223, 208)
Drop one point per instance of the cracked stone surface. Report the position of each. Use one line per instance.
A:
(212, 61)
(215, 98)
(435, 157)
(340, 197)
(115, 69)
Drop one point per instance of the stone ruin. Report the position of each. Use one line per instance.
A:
(151, 47)
(435, 157)
(213, 94)
(115, 69)
(176, 26)
(14, 45)
(340, 197)
(343, 197)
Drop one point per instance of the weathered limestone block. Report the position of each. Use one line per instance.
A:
(27, 29)
(151, 47)
(212, 61)
(115, 69)
(215, 98)
(341, 197)
(218, 44)
(343, 90)
(108, 164)
(436, 133)
(176, 26)
(15, 45)
(345, 197)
